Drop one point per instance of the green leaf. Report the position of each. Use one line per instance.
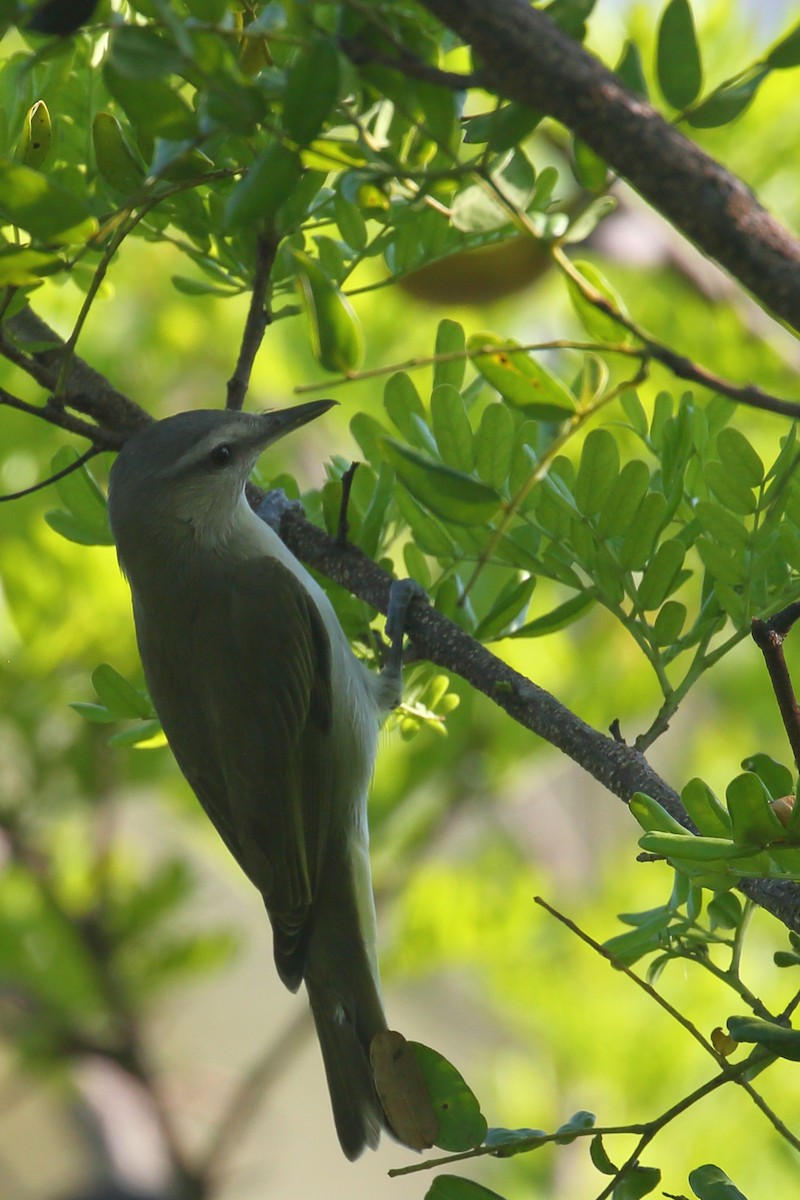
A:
(520, 379)
(97, 714)
(598, 1155)
(653, 817)
(669, 622)
(726, 103)
(119, 696)
(739, 458)
(335, 329)
(477, 210)
(507, 611)
(447, 493)
(144, 731)
(705, 810)
(352, 225)
(559, 618)
(629, 68)
(637, 1182)
(462, 1125)
(311, 90)
(571, 15)
(428, 533)
(586, 222)
(711, 1183)
(36, 139)
(451, 427)
(598, 471)
(753, 821)
(450, 340)
(638, 543)
(778, 1039)
(725, 911)
(152, 106)
(597, 323)
(786, 52)
(368, 433)
(723, 526)
(81, 496)
(777, 779)
(72, 528)
(694, 849)
(589, 168)
(20, 266)
(268, 183)
(494, 445)
(455, 1187)
(621, 503)
(141, 52)
(578, 1123)
(660, 574)
(678, 64)
(41, 207)
(721, 564)
(406, 411)
(115, 160)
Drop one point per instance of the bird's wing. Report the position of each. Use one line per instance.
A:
(266, 692)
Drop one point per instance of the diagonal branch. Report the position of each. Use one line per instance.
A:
(620, 768)
(526, 57)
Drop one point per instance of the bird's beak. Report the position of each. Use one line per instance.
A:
(273, 425)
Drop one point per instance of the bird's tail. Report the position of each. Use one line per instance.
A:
(344, 993)
(358, 1114)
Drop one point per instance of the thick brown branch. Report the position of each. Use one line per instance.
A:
(88, 392)
(527, 58)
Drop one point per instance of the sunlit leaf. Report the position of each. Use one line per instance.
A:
(447, 493)
(519, 378)
(462, 1125)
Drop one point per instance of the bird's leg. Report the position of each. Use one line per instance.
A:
(272, 507)
(401, 593)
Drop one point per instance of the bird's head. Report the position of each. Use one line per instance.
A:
(180, 480)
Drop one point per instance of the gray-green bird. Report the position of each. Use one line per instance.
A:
(271, 718)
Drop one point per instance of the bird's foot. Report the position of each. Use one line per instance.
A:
(401, 594)
(273, 507)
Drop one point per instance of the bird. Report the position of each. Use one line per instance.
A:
(272, 719)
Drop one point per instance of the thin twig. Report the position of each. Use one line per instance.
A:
(733, 1072)
(769, 637)
(343, 526)
(37, 487)
(259, 317)
(53, 414)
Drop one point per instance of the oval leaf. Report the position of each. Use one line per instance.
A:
(462, 1125)
(519, 379)
(680, 72)
(335, 330)
(448, 494)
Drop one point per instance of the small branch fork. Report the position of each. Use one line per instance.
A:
(769, 636)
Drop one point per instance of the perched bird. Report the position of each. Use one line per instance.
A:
(271, 718)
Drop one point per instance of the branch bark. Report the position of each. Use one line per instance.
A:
(527, 58)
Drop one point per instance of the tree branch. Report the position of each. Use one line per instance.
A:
(258, 318)
(87, 391)
(527, 58)
(620, 768)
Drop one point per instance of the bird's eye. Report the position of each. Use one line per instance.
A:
(221, 455)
